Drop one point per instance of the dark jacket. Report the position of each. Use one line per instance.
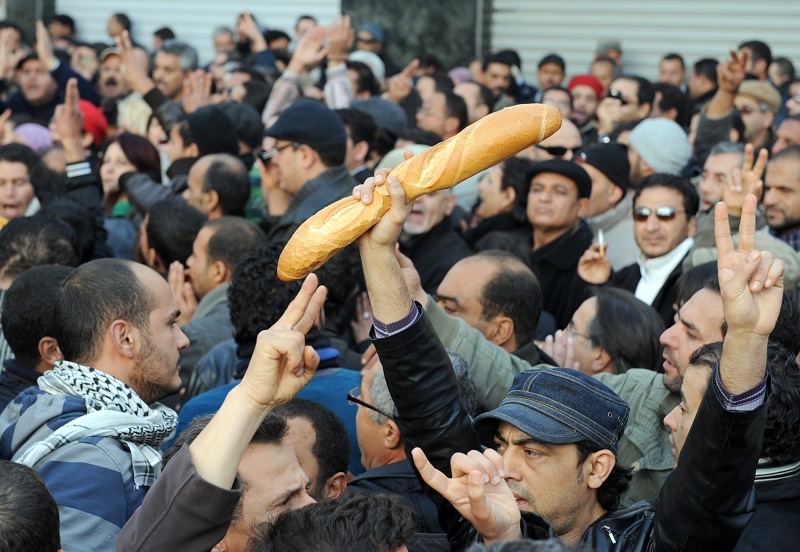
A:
(556, 265)
(14, 380)
(399, 478)
(504, 222)
(775, 527)
(435, 252)
(704, 505)
(316, 194)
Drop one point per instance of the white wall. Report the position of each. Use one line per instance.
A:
(192, 20)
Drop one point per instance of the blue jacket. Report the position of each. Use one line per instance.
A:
(90, 479)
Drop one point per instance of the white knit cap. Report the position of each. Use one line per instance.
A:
(662, 144)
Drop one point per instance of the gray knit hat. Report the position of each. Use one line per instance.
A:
(662, 144)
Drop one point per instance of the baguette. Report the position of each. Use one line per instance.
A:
(478, 147)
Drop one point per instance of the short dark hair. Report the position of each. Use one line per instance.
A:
(79, 218)
(672, 56)
(792, 152)
(616, 70)
(93, 296)
(760, 50)
(627, 329)
(671, 98)
(275, 34)
(19, 153)
(332, 446)
(28, 311)
(64, 20)
(256, 297)
(785, 332)
(26, 242)
(645, 93)
(331, 156)
(693, 280)
(514, 291)
(256, 94)
(360, 125)
(232, 238)
(270, 432)
(552, 59)
(616, 485)
(707, 67)
(515, 172)
(456, 107)
(228, 176)
(365, 78)
(785, 67)
(29, 520)
(429, 61)
(504, 241)
(419, 136)
(553, 544)
(164, 33)
(172, 225)
(123, 20)
(781, 444)
(691, 201)
(441, 81)
(357, 521)
(495, 58)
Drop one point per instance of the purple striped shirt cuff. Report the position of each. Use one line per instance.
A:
(743, 402)
(385, 330)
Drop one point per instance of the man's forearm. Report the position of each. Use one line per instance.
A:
(388, 293)
(744, 361)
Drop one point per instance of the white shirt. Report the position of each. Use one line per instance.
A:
(656, 271)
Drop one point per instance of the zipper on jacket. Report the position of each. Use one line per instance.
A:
(607, 529)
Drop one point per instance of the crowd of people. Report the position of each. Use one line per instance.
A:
(591, 346)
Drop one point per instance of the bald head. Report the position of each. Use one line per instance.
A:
(562, 145)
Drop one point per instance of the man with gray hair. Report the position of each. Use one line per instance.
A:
(173, 63)
(383, 451)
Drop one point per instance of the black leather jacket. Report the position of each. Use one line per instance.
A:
(704, 505)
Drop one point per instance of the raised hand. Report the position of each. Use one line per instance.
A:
(182, 291)
(340, 39)
(744, 181)
(68, 120)
(362, 323)
(561, 348)
(593, 265)
(132, 70)
(44, 46)
(751, 281)
(730, 74)
(197, 90)
(477, 490)
(247, 28)
(309, 51)
(400, 85)
(282, 363)
(10, 55)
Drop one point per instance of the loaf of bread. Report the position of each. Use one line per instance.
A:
(478, 147)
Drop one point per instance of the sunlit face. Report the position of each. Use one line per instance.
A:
(680, 419)
(717, 174)
(697, 322)
(37, 85)
(168, 75)
(493, 199)
(112, 82)
(560, 100)
(584, 102)
(604, 192)
(115, 164)
(604, 72)
(545, 479)
(199, 264)
(756, 119)
(273, 483)
(788, 134)
(461, 291)
(630, 109)
(671, 71)
(550, 74)
(781, 195)
(568, 136)
(497, 78)
(657, 237)
(433, 114)
(552, 202)
(223, 42)
(301, 438)
(429, 210)
(16, 190)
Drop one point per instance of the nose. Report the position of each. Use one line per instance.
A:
(568, 156)
(668, 337)
(182, 341)
(770, 197)
(652, 223)
(671, 419)
(305, 499)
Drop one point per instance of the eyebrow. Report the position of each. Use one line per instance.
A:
(287, 495)
(448, 298)
(686, 322)
(522, 442)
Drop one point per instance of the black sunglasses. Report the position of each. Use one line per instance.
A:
(617, 95)
(266, 155)
(641, 214)
(559, 151)
(366, 40)
(352, 398)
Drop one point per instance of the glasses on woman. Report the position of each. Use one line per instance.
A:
(352, 398)
(641, 214)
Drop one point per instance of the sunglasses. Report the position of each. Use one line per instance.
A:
(366, 40)
(559, 151)
(617, 95)
(267, 155)
(352, 398)
(641, 214)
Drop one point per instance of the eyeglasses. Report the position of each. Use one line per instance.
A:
(270, 153)
(366, 40)
(352, 398)
(571, 329)
(747, 109)
(559, 151)
(617, 95)
(641, 214)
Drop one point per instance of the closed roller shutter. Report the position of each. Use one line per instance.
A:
(192, 20)
(647, 30)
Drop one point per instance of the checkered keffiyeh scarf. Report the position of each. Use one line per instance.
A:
(112, 410)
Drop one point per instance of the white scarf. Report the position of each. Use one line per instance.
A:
(112, 410)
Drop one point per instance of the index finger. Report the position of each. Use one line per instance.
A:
(435, 479)
(408, 70)
(761, 162)
(747, 226)
(296, 310)
(72, 97)
(747, 162)
(722, 230)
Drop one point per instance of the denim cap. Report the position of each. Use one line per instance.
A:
(561, 406)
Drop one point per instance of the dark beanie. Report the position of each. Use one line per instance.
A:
(565, 168)
(610, 159)
(309, 122)
(212, 131)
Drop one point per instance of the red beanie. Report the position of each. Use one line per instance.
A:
(587, 80)
(94, 121)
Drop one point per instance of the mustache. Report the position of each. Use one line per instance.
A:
(520, 491)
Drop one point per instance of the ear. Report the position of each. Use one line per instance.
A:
(600, 360)
(501, 330)
(49, 352)
(154, 261)
(451, 125)
(451, 203)
(392, 438)
(210, 201)
(308, 157)
(219, 272)
(509, 196)
(692, 230)
(615, 194)
(583, 204)
(644, 110)
(192, 150)
(86, 140)
(769, 118)
(671, 113)
(598, 467)
(360, 151)
(123, 338)
(335, 486)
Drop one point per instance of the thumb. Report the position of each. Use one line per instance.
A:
(398, 195)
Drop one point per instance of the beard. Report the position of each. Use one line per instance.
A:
(674, 381)
(149, 378)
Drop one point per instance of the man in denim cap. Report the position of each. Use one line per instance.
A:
(554, 470)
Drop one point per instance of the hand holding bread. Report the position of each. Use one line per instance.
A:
(481, 145)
